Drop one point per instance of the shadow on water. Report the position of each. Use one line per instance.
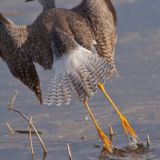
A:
(136, 89)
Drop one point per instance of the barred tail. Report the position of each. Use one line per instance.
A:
(77, 74)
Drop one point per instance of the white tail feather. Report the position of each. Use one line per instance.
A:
(76, 74)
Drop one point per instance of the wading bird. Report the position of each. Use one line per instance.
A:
(77, 44)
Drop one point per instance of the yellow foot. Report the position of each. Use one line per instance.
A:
(129, 131)
(107, 143)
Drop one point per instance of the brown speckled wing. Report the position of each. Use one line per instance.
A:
(103, 24)
(15, 53)
(24, 69)
(21, 46)
(38, 43)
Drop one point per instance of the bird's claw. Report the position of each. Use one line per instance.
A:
(106, 142)
(134, 140)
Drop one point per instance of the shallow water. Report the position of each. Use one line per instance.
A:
(136, 91)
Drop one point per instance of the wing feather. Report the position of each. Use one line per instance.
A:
(102, 18)
(25, 71)
(20, 48)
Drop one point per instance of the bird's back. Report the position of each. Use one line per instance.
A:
(67, 21)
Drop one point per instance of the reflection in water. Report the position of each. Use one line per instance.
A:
(43, 157)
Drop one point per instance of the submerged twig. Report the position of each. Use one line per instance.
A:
(69, 152)
(11, 108)
(27, 132)
(11, 130)
(44, 156)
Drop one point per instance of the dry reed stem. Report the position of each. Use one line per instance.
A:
(148, 141)
(111, 132)
(11, 108)
(12, 100)
(69, 152)
(11, 130)
(30, 135)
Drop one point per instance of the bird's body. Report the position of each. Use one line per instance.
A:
(53, 38)
(77, 44)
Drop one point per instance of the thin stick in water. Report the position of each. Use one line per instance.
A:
(30, 135)
(11, 130)
(69, 152)
(111, 132)
(11, 108)
(12, 101)
(148, 141)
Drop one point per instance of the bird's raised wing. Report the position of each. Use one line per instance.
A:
(32, 40)
(24, 69)
(20, 47)
(102, 18)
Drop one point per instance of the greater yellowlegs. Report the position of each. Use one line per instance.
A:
(78, 44)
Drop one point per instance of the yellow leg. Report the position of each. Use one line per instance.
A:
(129, 131)
(107, 143)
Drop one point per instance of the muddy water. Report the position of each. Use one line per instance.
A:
(136, 91)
